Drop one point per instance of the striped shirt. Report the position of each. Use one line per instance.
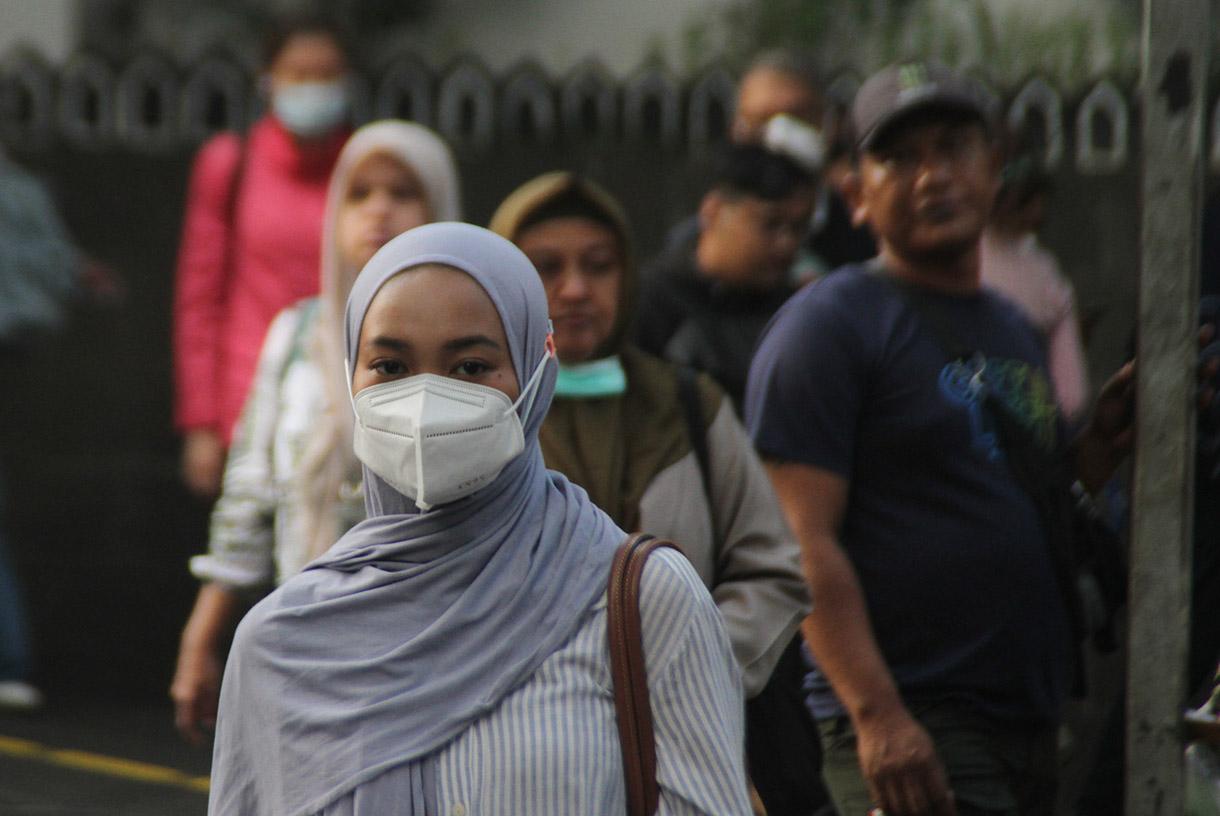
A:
(551, 748)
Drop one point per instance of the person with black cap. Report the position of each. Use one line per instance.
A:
(943, 641)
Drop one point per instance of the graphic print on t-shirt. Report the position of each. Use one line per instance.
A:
(1022, 388)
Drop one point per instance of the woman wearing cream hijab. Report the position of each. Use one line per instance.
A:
(662, 450)
(291, 484)
(619, 428)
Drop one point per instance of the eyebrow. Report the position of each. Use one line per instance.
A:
(463, 343)
(389, 342)
(456, 344)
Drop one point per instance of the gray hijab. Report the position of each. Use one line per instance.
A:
(413, 625)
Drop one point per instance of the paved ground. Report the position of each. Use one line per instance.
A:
(89, 757)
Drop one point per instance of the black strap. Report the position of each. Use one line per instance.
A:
(692, 407)
(1029, 463)
(232, 197)
(1044, 477)
(688, 395)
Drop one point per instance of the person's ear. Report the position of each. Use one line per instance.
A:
(709, 209)
(853, 196)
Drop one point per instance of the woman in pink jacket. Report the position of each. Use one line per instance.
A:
(251, 236)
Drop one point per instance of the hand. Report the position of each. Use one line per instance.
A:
(900, 764)
(1113, 420)
(196, 691)
(1106, 440)
(203, 460)
(1207, 367)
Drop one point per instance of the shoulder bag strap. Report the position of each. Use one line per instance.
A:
(1045, 480)
(1032, 471)
(627, 671)
(232, 198)
(1033, 475)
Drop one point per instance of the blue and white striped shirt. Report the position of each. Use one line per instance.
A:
(551, 748)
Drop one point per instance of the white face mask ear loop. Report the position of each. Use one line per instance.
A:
(530, 388)
(351, 397)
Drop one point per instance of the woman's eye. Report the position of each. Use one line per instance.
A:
(547, 267)
(389, 368)
(470, 368)
(601, 266)
(406, 193)
(898, 158)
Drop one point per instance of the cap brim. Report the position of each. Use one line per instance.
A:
(886, 125)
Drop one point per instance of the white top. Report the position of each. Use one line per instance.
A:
(258, 530)
(551, 748)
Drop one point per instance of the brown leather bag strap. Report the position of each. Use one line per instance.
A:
(631, 707)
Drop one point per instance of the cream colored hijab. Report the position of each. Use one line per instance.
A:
(613, 447)
(329, 462)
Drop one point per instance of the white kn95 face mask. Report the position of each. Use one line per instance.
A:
(436, 439)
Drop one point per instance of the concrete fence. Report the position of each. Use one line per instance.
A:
(107, 579)
(152, 105)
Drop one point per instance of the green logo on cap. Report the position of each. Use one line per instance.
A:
(911, 77)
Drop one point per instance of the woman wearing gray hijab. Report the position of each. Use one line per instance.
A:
(448, 654)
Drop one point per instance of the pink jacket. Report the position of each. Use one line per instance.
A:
(224, 299)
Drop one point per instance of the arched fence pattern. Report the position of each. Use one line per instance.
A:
(151, 104)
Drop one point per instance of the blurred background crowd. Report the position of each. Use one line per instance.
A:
(104, 106)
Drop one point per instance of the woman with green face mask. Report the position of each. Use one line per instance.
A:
(657, 451)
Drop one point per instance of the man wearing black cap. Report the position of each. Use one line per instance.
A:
(942, 644)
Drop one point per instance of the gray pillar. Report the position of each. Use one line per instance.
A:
(1173, 91)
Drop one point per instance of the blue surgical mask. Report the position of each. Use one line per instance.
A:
(598, 378)
(310, 109)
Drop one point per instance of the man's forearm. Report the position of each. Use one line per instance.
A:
(841, 639)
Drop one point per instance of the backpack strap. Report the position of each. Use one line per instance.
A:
(692, 409)
(232, 198)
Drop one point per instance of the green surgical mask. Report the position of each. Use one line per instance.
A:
(598, 378)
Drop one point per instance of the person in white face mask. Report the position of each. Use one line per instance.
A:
(307, 83)
(291, 485)
(251, 235)
(449, 653)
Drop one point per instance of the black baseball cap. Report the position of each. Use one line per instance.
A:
(905, 88)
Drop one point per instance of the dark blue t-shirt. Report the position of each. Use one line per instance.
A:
(949, 550)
